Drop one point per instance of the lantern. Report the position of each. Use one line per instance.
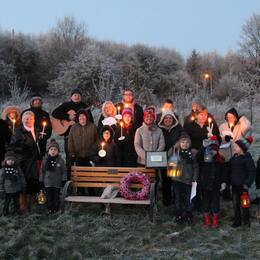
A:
(41, 198)
(174, 168)
(244, 200)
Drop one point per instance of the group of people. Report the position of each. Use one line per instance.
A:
(215, 158)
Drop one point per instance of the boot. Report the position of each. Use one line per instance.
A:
(206, 220)
(215, 223)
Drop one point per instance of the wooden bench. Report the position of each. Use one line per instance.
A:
(101, 177)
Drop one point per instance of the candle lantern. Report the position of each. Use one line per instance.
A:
(41, 198)
(244, 200)
(174, 168)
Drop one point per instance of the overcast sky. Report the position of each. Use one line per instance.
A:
(204, 25)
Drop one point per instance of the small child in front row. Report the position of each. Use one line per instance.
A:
(210, 180)
(12, 182)
(182, 183)
(53, 176)
(243, 172)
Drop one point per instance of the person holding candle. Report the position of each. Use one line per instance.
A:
(128, 155)
(234, 128)
(12, 115)
(112, 156)
(243, 172)
(107, 117)
(129, 102)
(42, 121)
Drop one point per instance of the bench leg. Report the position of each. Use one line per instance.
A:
(152, 202)
(64, 195)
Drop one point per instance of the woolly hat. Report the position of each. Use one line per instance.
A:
(10, 155)
(150, 111)
(184, 135)
(233, 112)
(127, 111)
(107, 128)
(75, 91)
(244, 143)
(53, 143)
(34, 97)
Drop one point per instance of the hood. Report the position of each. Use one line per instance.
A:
(8, 109)
(165, 113)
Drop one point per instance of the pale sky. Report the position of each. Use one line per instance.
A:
(184, 25)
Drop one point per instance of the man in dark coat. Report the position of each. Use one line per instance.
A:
(129, 102)
(42, 121)
(5, 136)
(63, 112)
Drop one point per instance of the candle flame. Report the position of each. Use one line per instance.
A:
(121, 124)
(209, 120)
(14, 121)
(126, 105)
(192, 118)
(44, 123)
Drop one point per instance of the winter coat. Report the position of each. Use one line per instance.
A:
(257, 179)
(137, 111)
(128, 155)
(12, 182)
(211, 174)
(112, 158)
(83, 140)
(243, 170)
(198, 134)
(5, 136)
(26, 147)
(61, 112)
(148, 138)
(40, 117)
(172, 134)
(240, 130)
(189, 170)
(55, 178)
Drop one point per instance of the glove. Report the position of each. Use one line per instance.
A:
(258, 193)
(245, 187)
(223, 186)
(228, 138)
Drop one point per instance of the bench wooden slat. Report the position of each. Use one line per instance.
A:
(89, 199)
(105, 169)
(91, 179)
(102, 185)
(105, 174)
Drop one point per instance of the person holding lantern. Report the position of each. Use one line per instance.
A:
(128, 101)
(210, 179)
(171, 131)
(128, 155)
(232, 130)
(108, 154)
(53, 176)
(42, 121)
(148, 137)
(243, 172)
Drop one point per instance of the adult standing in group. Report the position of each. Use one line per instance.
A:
(42, 121)
(12, 116)
(234, 128)
(167, 105)
(148, 137)
(124, 137)
(202, 128)
(65, 115)
(25, 143)
(5, 136)
(129, 102)
(171, 131)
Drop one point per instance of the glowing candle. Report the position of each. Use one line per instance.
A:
(43, 128)
(126, 105)
(118, 110)
(209, 120)
(192, 118)
(13, 121)
(230, 125)
(102, 145)
(121, 124)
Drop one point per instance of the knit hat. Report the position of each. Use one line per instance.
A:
(34, 97)
(53, 143)
(75, 91)
(233, 112)
(150, 111)
(244, 143)
(10, 155)
(107, 128)
(184, 135)
(127, 111)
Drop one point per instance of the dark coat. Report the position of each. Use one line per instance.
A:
(210, 173)
(40, 117)
(61, 112)
(257, 179)
(5, 136)
(198, 134)
(243, 170)
(23, 144)
(128, 155)
(138, 117)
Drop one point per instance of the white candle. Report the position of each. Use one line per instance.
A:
(102, 146)
(209, 120)
(13, 124)
(121, 124)
(118, 110)
(43, 128)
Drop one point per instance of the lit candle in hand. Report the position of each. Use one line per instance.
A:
(43, 128)
(209, 120)
(118, 110)
(102, 145)
(121, 124)
(13, 121)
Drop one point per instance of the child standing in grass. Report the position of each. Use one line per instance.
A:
(12, 182)
(182, 183)
(243, 172)
(53, 176)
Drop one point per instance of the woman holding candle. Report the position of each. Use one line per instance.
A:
(232, 130)
(12, 115)
(128, 155)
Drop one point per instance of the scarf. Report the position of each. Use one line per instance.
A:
(186, 155)
(51, 163)
(11, 173)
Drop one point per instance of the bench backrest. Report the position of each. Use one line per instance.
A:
(99, 177)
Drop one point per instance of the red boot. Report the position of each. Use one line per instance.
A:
(206, 220)
(215, 223)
